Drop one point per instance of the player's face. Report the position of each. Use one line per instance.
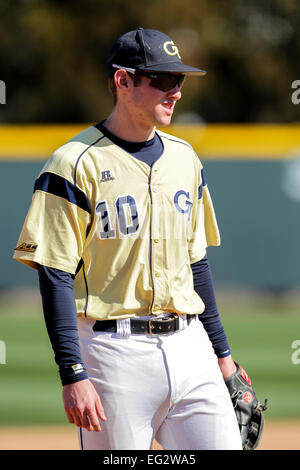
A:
(152, 106)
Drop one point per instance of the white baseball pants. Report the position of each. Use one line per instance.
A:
(167, 387)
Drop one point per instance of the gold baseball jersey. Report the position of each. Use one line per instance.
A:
(129, 232)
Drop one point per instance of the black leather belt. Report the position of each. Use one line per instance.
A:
(152, 327)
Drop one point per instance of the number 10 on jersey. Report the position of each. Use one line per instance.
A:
(123, 211)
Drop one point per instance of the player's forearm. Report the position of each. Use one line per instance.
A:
(59, 308)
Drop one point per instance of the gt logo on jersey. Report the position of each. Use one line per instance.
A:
(30, 247)
(171, 49)
(182, 203)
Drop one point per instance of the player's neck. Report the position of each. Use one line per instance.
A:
(124, 127)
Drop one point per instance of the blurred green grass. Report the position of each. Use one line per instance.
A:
(30, 390)
(260, 339)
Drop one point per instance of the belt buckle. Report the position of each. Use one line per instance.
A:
(163, 320)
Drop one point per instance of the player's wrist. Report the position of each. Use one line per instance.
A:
(227, 366)
(69, 382)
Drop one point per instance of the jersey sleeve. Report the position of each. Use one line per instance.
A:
(205, 227)
(56, 225)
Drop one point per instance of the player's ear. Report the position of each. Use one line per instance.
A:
(121, 79)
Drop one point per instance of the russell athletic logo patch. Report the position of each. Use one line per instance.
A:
(106, 176)
(27, 246)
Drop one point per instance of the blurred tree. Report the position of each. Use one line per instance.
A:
(53, 52)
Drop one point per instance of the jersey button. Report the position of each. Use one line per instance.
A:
(156, 274)
(156, 240)
(155, 189)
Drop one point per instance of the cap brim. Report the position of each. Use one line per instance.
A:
(174, 67)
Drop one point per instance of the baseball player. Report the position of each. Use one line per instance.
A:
(118, 227)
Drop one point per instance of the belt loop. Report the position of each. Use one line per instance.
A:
(123, 328)
(183, 323)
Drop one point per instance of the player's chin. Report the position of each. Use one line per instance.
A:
(164, 118)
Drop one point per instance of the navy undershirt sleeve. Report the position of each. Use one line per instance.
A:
(203, 285)
(60, 315)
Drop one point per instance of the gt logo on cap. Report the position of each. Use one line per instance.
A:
(171, 49)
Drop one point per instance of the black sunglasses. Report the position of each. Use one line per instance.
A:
(163, 81)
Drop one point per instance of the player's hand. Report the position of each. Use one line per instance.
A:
(82, 405)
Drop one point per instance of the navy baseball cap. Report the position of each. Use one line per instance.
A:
(147, 50)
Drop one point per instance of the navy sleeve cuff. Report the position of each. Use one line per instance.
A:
(72, 374)
(224, 354)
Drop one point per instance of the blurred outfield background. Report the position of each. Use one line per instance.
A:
(243, 124)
